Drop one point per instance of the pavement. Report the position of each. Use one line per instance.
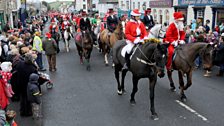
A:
(89, 98)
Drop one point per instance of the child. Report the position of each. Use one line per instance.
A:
(33, 95)
(10, 116)
(6, 67)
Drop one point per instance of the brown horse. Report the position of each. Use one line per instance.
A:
(107, 42)
(84, 44)
(184, 63)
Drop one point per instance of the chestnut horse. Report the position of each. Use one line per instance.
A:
(106, 42)
(84, 44)
(183, 62)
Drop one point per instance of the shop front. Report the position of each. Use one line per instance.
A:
(162, 10)
(202, 10)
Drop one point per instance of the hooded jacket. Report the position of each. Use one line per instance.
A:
(33, 92)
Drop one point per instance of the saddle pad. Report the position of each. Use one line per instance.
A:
(78, 36)
(126, 48)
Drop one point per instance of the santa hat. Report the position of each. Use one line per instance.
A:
(135, 12)
(111, 10)
(48, 35)
(178, 16)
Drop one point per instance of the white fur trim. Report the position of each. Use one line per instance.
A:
(138, 31)
(134, 14)
(180, 19)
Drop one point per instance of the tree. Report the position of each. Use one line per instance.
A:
(47, 5)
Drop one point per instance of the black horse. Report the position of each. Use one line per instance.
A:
(84, 46)
(147, 61)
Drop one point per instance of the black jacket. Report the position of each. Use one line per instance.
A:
(112, 23)
(33, 92)
(84, 25)
(148, 22)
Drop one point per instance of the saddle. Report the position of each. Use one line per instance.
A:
(78, 37)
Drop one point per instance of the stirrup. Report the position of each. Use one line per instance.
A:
(125, 67)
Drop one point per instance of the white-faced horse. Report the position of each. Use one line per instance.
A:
(67, 37)
(158, 31)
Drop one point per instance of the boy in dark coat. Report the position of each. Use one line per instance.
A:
(33, 94)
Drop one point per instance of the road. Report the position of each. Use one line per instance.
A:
(82, 98)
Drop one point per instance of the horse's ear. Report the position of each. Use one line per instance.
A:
(209, 45)
(159, 46)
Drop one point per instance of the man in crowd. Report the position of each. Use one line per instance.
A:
(148, 19)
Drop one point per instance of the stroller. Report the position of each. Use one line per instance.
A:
(44, 78)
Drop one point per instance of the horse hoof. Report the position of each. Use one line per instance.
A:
(119, 92)
(106, 64)
(183, 98)
(155, 117)
(124, 91)
(88, 68)
(133, 102)
(173, 89)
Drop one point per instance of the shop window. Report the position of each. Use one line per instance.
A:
(139, 6)
(84, 6)
(127, 5)
(167, 16)
(220, 17)
(160, 16)
(133, 5)
(155, 15)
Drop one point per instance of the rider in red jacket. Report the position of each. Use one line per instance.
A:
(135, 33)
(174, 35)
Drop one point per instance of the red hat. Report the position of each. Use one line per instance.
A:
(84, 13)
(135, 12)
(178, 16)
(111, 10)
(48, 35)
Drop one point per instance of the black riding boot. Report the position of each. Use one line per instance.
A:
(127, 60)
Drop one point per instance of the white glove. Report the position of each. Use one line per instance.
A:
(146, 27)
(182, 42)
(146, 38)
(142, 40)
(174, 43)
(137, 40)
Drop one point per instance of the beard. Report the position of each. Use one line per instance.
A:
(180, 26)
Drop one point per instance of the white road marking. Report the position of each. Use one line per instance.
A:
(191, 110)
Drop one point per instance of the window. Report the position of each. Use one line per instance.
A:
(127, 5)
(133, 5)
(139, 5)
(155, 15)
(122, 4)
(84, 6)
(167, 14)
(84, 0)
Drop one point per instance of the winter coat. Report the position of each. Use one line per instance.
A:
(112, 23)
(50, 46)
(85, 24)
(33, 92)
(173, 34)
(135, 29)
(24, 70)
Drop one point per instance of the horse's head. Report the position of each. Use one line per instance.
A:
(87, 43)
(119, 31)
(160, 57)
(206, 54)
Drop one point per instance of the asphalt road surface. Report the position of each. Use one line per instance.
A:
(83, 98)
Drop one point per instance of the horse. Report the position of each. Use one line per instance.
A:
(158, 31)
(147, 61)
(84, 44)
(183, 62)
(106, 42)
(67, 37)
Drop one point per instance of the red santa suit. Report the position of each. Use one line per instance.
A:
(53, 25)
(174, 35)
(135, 32)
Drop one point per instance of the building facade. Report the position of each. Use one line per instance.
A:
(162, 10)
(201, 10)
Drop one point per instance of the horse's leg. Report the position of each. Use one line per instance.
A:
(189, 80)
(135, 89)
(80, 53)
(172, 86)
(117, 76)
(66, 45)
(106, 58)
(181, 82)
(152, 85)
(88, 65)
(124, 72)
